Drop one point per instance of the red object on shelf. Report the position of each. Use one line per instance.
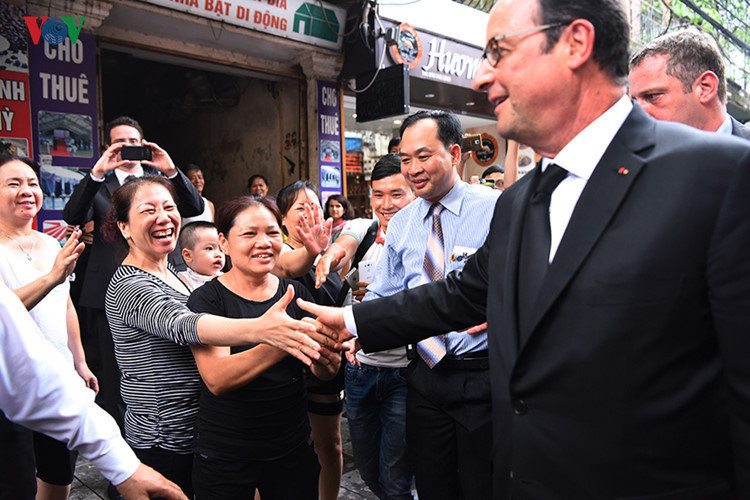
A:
(353, 162)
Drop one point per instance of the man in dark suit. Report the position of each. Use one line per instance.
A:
(90, 201)
(626, 375)
(680, 77)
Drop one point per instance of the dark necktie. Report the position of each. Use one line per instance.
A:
(535, 242)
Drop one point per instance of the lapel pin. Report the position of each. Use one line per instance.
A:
(623, 171)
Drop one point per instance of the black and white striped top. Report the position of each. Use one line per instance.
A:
(152, 329)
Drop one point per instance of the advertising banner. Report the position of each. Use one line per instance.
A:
(432, 57)
(329, 137)
(313, 22)
(15, 110)
(64, 118)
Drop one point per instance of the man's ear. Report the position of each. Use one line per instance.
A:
(455, 152)
(706, 87)
(578, 39)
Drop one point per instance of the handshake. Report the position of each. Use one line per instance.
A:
(331, 333)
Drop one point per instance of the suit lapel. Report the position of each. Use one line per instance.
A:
(605, 191)
(511, 346)
(740, 130)
(111, 183)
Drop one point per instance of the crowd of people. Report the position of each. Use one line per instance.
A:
(580, 332)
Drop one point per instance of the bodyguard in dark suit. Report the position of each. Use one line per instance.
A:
(626, 375)
(739, 129)
(89, 201)
(680, 77)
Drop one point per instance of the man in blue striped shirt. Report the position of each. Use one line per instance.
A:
(448, 408)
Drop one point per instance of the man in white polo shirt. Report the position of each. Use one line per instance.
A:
(376, 382)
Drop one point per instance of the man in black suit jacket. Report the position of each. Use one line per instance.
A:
(630, 377)
(680, 77)
(90, 201)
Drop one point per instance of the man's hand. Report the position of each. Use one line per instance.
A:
(147, 483)
(87, 232)
(325, 341)
(160, 160)
(327, 365)
(109, 161)
(352, 346)
(314, 232)
(360, 292)
(290, 335)
(461, 167)
(330, 259)
(476, 329)
(331, 318)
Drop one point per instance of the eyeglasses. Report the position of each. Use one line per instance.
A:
(493, 53)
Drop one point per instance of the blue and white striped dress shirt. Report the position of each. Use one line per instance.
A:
(465, 223)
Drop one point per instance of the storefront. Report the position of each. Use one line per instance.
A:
(440, 73)
(234, 87)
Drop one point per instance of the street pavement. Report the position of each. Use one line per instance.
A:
(90, 485)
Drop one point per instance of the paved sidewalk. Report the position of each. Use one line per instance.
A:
(90, 485)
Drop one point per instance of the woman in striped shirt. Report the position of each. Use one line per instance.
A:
(153, 329)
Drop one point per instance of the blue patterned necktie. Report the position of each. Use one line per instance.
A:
(432, 350)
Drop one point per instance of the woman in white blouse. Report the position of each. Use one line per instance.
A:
(35, 267)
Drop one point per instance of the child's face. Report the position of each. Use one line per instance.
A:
(205, 257)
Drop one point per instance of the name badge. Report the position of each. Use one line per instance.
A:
(461, 254)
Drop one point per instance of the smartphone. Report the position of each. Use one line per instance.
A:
(136, 153)
(352, 277)
(489, 183)
(366, 270)
(471, 143)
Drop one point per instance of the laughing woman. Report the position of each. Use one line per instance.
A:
(152, 329)
(252, 429)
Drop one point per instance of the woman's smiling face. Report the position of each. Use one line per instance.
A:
(20, 193)
(254, 241)
(154, 221)
(291, 218)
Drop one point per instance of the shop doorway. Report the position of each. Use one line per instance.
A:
(229, 122)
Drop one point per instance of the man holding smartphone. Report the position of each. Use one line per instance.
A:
(90, 201)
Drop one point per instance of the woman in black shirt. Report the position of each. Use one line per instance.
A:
(252, 430)
(152, 328)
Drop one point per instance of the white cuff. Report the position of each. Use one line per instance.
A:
(95, 179)
(351, 324)
(118, 464)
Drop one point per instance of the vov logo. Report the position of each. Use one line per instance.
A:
(54, 30)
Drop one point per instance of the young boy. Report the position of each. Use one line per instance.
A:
(199, 243)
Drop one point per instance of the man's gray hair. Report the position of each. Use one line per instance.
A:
(689, 54)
